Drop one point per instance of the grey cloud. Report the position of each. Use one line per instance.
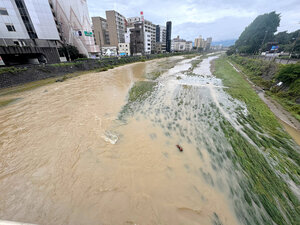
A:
(221, 19)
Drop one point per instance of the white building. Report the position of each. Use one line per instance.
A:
(160, 39)
(127, 35)
(149, 29)
(181, 45)
(124, 49)
(31, 37)
(109, 51)
(188, 46)
(74, 24)
(147, 42)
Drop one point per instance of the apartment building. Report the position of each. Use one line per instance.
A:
(160, 46)
(181, 45)
(202, 43)
(124, 49)
(100, 30)
(199, 42)
(149, 30)
(160, 33)
(188, 46)
(116, 27)
(137, 40)
(74, 25)
(28, 32)
(208, 43)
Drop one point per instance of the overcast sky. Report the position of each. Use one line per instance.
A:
(220, 19)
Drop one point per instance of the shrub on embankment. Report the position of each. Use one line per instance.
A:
(12, 76)
(282, 82)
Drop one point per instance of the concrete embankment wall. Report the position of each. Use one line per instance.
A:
(22, 75)
(276, 60)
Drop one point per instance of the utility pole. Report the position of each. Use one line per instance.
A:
(263, 42)
(294, 44)
(100, 43)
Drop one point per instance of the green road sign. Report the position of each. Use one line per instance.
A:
(89, 34)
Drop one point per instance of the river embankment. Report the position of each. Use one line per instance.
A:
(13, 76)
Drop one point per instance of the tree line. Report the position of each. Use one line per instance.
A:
(261, 32)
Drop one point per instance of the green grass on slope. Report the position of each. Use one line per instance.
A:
(265, 164)
(267, 74)
(141, 90)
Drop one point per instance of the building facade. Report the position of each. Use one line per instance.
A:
(74, 25)
(168, 36)
(149, 30)
(160, 39)
(116, 27)
(100, 30)
(202, 43)
(160, 33)
(189, 46)
(28, 32)
(181, 45)
(137, 40)
(160, 47)
(124, 49)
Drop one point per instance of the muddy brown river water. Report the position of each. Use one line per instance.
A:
(68, 156)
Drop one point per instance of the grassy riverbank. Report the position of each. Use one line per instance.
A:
(267, 163)
(268, 74)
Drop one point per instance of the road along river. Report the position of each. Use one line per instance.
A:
(91, 151)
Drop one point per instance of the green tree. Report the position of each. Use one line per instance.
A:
(289, 41)
(260, 31)
(71, 52)
(289, 73)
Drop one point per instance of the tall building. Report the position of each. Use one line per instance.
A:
(73, 22)
(149, 30)
(160, 33)
(208, 43)
(160, 39)
(199, 42)
(116, 27)
(168, 36)
(101, 33)
(202, 43)
(137, 40)
(28, 32)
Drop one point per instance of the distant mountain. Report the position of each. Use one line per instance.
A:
(225, 43)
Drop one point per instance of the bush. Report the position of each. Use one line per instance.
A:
(288, 73)
(11, 69)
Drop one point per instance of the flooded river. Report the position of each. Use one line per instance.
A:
(78, 152)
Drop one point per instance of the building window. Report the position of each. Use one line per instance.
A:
(3, 12)
(16, 43)
(10, 27)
